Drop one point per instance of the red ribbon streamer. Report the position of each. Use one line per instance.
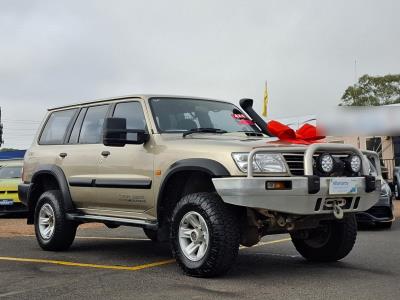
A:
(306, 134)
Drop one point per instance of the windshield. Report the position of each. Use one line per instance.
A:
(10, 172)
(181, 115)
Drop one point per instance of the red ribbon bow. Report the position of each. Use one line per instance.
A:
(306, 134)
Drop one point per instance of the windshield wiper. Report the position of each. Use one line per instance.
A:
(206, 130)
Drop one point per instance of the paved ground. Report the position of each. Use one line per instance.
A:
(121, 263)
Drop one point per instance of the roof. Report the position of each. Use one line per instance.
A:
(142, 96)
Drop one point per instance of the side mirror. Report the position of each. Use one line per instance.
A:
(115, 133)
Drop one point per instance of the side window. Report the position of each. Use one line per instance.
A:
(92, 127)
(133, 113)
(56, 127)
(73, 139)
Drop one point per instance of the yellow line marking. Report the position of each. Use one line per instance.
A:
(74, 264)
(99, 238)
(144, 239)
(111, 267)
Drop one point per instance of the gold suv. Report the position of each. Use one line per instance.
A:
(202, 174)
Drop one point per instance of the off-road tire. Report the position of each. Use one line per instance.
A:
(384, 225)
(64, 231)
(338, 245)
(223, 230)
(151, 234)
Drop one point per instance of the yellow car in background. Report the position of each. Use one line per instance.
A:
(10, 177)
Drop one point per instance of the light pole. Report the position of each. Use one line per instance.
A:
(1, 130)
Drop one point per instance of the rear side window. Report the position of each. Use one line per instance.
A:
(133, 113)
(92, 126)
(56, 127)
(73, 139)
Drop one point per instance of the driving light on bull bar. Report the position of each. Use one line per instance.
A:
(355, 163)
(325, 163)
(262, 162)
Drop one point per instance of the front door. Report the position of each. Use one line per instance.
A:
(125, 175)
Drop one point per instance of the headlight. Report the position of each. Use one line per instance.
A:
(325, 163)
(262, 162)
(355, 163)
(385, 189)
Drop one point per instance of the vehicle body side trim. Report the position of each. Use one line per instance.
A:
(81, 182)
(119, 183)
(111, 183)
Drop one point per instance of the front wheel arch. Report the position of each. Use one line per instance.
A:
(180, 172)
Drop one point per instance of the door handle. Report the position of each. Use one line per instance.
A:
(105, 153)
(63, 154)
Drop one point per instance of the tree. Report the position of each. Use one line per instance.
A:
(8, 149)
(373, 91)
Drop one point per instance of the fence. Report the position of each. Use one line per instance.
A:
(388, 168)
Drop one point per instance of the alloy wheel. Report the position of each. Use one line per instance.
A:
(193, 236)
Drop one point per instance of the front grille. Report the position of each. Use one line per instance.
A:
(8, 192)
(295, 162)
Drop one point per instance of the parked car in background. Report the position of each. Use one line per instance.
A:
(396, 182)
(10, 178)
(381, 214)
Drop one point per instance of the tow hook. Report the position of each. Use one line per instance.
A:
(336, 205)
(337, 211)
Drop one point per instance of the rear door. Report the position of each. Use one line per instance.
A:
(82, 152)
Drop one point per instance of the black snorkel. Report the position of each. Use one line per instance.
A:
(247, 105)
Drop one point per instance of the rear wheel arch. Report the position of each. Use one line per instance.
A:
(45, 178)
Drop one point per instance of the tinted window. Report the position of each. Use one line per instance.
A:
(10, 172)
(92, 127)
(133, 113)
(180, 115)
(73, 139)
(56, 127)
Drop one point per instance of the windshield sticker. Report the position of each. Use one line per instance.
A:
(242, 119)
(246, 122)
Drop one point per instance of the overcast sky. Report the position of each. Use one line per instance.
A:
(60, 52)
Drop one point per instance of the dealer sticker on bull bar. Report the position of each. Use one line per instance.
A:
(342, 186)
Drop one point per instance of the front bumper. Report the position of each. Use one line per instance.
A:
(382, 211)
(252, 192)
(375, 214)
(16, 207)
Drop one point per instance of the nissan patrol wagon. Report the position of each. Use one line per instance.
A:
(200, 174)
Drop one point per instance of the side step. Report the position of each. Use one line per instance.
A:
(113, 220)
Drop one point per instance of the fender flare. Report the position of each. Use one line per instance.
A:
(59, 175)
(209, 166)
